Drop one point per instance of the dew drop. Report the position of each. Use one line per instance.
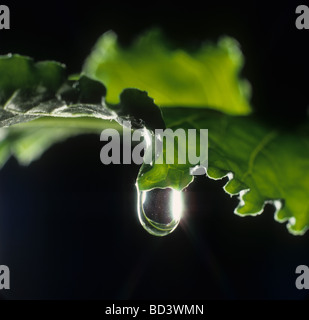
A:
(160, 210)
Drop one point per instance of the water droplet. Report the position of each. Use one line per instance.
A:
(160, 210)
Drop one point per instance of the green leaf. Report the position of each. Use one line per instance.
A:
(32, 91)
(28, 141)
(206, 77)
(39, 107)
(264, 164)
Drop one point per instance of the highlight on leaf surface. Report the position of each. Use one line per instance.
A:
(208, 76)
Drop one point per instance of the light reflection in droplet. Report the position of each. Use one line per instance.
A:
(160, 210)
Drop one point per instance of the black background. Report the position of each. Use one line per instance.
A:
(68, 224)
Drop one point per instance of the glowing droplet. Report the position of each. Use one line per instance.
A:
(160, 210)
